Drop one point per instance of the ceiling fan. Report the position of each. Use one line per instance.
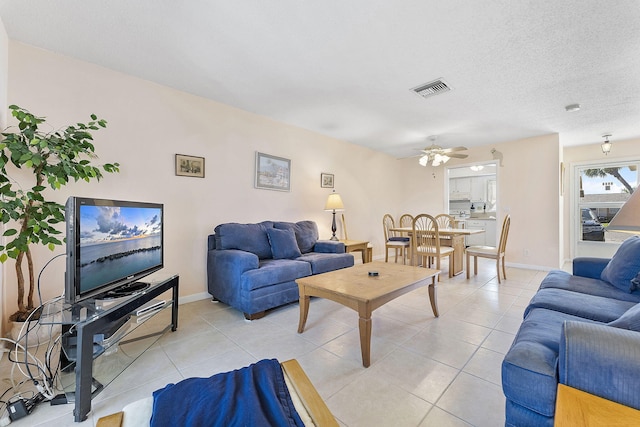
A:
(437, 155)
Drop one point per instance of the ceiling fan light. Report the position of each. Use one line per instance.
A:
(606, 145)
(424, 160)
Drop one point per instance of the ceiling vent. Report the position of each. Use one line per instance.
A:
(432, 88)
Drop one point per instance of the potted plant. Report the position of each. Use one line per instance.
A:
(54, 158)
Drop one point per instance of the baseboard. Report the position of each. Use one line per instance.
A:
(193, 298)
(529, 266)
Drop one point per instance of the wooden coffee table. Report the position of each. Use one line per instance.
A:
(354, 288)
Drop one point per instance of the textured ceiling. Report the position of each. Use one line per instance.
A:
(345, 68)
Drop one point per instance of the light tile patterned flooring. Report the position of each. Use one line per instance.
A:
(424, 371)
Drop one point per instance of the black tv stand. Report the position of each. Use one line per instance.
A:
(126, 290)
(83, 323)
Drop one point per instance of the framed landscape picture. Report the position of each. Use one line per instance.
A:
(189, 166)
(272, 172)
(326, 180)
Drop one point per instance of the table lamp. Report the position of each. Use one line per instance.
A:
(627, 220)
(334, 203)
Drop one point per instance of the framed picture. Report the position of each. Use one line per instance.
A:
(326, 180)
(189, 166)
(272, 173)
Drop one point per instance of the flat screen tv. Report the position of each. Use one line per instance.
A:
(111, 244)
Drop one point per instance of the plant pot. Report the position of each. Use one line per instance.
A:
(38, 334)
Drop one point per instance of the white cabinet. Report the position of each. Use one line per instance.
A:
(475, 239)
(488, 238)
(460, 188)
(490, 233)
(478, 189)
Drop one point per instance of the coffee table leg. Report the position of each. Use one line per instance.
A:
(304, 311)
(364, 324)
(433, 296)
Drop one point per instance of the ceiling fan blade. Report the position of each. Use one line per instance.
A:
(411, 157)
(451, 150)
(458, 156)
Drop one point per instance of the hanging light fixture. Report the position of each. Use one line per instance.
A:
(606, 145)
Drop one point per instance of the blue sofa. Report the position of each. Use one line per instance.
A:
(579, 329)
(253, 267)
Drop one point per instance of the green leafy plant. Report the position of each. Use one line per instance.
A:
(54, 158)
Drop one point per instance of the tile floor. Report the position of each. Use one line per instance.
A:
(424, 371)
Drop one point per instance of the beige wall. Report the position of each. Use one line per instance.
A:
(4, 71)
(528, 190)
(620, 151)
(149, 124)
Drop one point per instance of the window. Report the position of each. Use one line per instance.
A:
(603, 189)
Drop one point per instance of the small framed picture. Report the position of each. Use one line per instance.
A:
(272, 173)
(189, 166)
(326, 180)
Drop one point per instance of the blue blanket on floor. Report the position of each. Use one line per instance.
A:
(255, 395)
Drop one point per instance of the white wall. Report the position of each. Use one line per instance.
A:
(148, 124)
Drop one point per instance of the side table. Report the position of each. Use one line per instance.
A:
(358, 246)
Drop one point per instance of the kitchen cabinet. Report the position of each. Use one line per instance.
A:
(478, 189)
(460, 188)
(488, 238)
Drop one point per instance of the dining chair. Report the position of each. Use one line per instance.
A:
(491, 252)
(426, 243)
(445, 221)
(392, 241)
(406, 221)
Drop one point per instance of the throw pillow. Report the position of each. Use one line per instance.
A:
(624, 265)
(245, 237)
(283, 244)
(629, 320)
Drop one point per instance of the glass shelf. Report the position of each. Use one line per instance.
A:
(119, 351)
(84, 373)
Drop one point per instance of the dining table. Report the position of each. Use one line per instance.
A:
(456, 241)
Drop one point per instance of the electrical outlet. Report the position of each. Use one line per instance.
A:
(525, 252)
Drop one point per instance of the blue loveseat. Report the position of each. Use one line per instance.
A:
(579, 329)
(253, 267)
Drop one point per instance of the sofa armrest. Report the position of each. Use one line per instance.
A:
(329, 247)
(224, 270)
(601, 360)
(589, 267)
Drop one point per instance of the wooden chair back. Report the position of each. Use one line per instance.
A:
(504, 234)
(445, 221)
(387, 223)
(406, 220)
(425, 237)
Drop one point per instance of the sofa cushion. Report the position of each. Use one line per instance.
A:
(274, 271)
(559, 279)
(629, 320)
(245, 237)
(624, 266)
(578, 304)
(321, 263)
(283, 243)
(529, 369)
(306, 233)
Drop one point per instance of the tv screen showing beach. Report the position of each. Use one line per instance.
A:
(118, 242)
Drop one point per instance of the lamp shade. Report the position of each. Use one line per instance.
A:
(627, 219)
(334, 203)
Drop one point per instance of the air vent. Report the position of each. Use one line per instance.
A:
(432, 88)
